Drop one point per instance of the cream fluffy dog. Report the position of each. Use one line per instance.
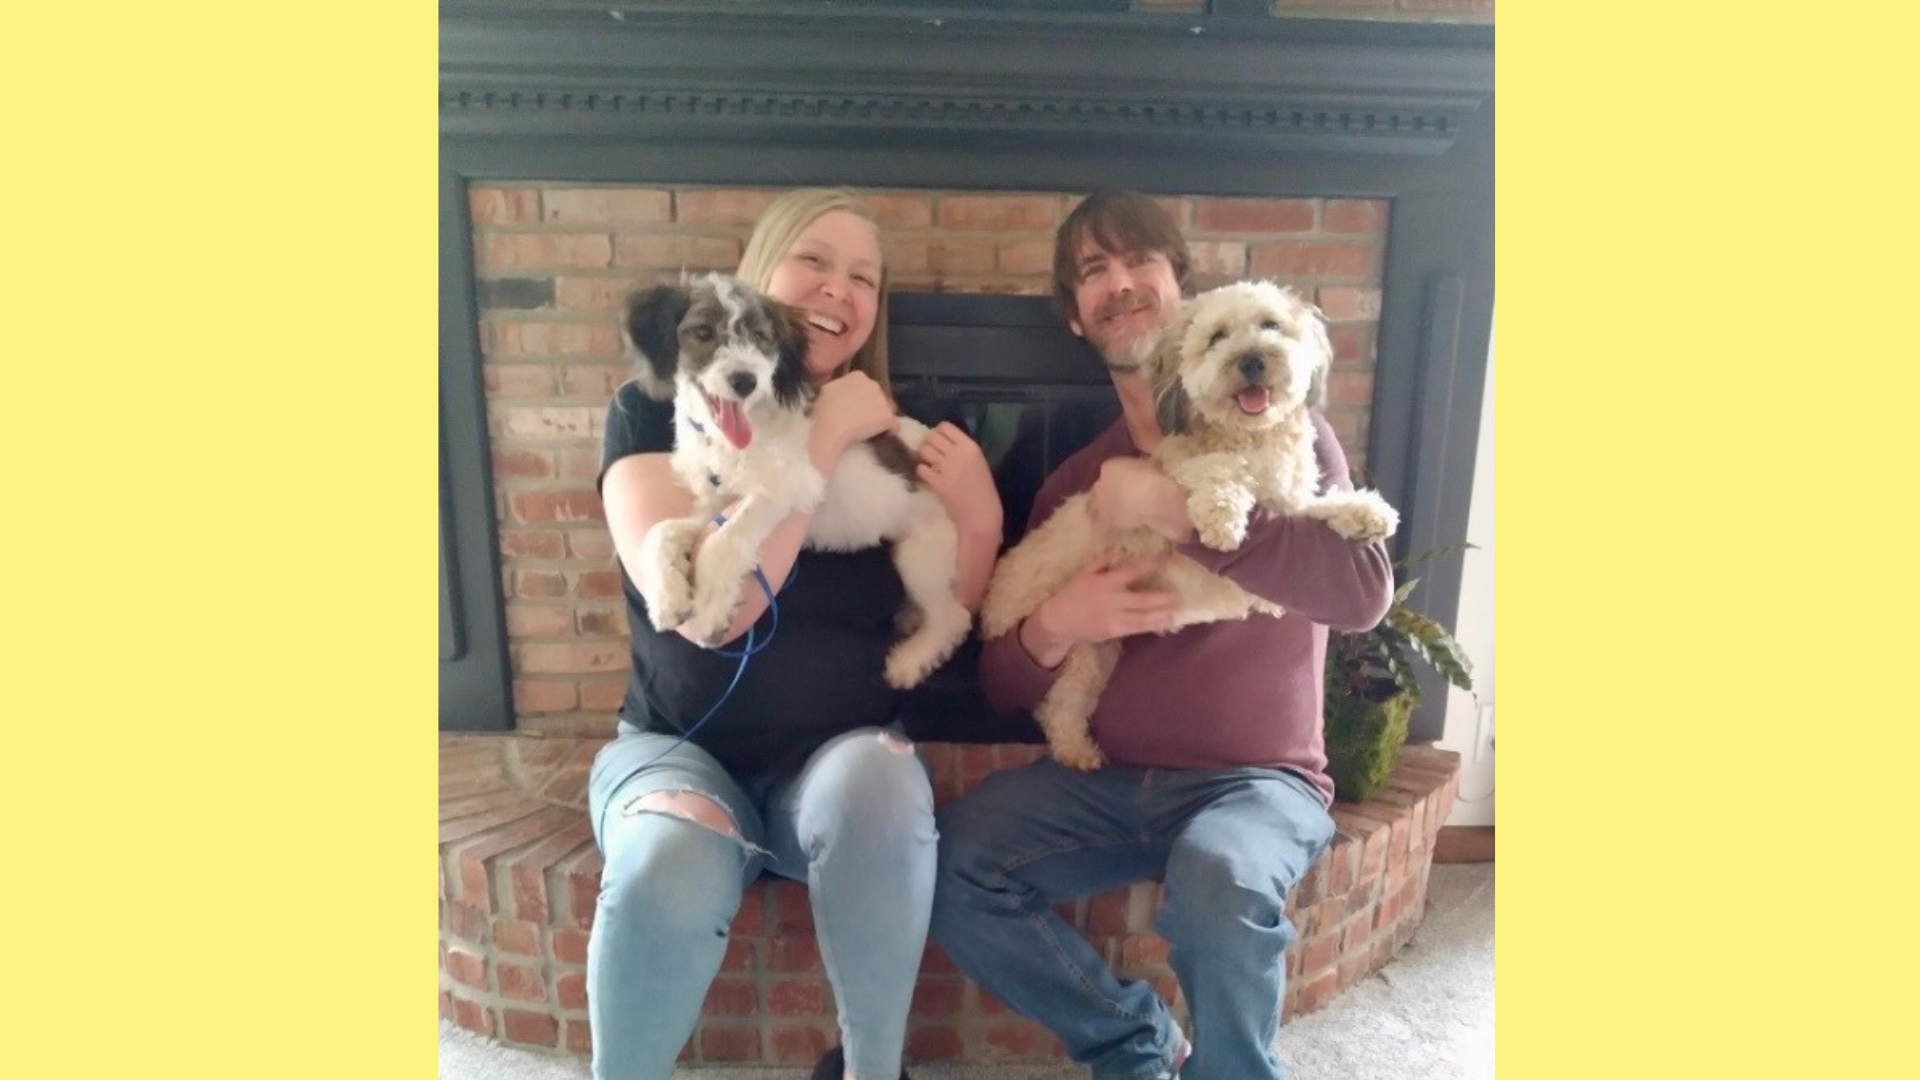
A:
(1235, 379)
(733, 361)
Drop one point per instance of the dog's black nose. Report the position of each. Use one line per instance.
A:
(742, 382)
(1253, 365)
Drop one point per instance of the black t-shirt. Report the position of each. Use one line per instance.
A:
(822, 672)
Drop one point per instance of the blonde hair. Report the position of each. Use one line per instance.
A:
(773, 236)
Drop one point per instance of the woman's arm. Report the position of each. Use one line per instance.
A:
(955, 468)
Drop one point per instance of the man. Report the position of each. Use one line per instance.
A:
(1216, 782)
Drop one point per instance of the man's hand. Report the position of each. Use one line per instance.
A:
(1133, 493)
(1100, 603)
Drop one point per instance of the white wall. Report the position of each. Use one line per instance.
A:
(1465, 717)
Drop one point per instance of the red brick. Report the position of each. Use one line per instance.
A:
(739, 957)
(547, 422)
(579, 463)
(751, 920)
(935, 961)
(465, 921)
(1218, 258)
(446, 1005)
(960, 255)
(938, 997)
(556, 506)
(1449, 5)
(797, 997)
(899, 213)
(546, 251)
(928, 1042)
(570, 946)
(1356, 216)
(527, 875)
(792, 906)
(1107, 914)
(532, 543)
(1340, 858)
(602, 696)
(1029, 213)
(472, 1016)
(798, 1045)
(793, 953)
(517, 936)
(1013, 1039)
(579, 1038)
(1353, 968)
(521, 981)
(596, 584)
(1350, 388)
(594, 206)
(1347, 303)
(667, 252)
(720, 206)
(593, 293)
(1179, 209)
(472, 858)
(1352, 345)
(571, 990)
(1313, 260)
(1026, 257)
(1318, 989)
(1254, 215)
(600, 622)
(539, 584)
(1319, 954)
(503, 206)
(539, 620)
(532, 1028)
(572, 659)
(517, 380)
(729, 1043)
(731, 997)
(590, 543)
(467, 967)
(1143, 950)
(557, 339)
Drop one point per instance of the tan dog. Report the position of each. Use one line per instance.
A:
(1235, 379)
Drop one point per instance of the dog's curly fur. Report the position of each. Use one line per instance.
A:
(1236, 378)
(733, 361)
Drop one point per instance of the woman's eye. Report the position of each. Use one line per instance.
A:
(866, 281)
(1218, 337)
(811, 259)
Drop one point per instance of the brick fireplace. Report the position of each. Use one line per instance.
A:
(584, 155)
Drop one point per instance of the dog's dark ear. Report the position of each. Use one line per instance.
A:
(652, 332)
(790, 367)
(1172, 408)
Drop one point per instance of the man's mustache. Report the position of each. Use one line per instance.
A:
(1126, 304)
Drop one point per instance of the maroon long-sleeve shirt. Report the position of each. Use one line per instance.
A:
(1223, 694)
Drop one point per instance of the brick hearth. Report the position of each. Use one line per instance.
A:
(519, 873)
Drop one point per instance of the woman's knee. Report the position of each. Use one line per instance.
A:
(870, 776)
(674, 855)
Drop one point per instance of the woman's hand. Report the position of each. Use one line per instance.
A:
(955, 468)
(849, 409)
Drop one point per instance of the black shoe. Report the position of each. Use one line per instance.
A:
(833, 1065)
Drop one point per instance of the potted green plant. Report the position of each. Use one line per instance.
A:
(1372, 689)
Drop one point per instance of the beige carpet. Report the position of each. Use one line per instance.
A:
(1426, 1016)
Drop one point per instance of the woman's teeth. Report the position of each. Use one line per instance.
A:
(823, 322)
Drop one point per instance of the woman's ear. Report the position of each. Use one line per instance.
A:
(651, 330)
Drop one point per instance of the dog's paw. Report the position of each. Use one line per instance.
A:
(713, 612)
(667, 586)
(1364, 517)
(1080, 754)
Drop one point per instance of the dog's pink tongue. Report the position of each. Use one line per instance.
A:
(733, 423)
(1253, 399)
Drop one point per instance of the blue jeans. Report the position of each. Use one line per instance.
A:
(855, 822)
(1229, 845)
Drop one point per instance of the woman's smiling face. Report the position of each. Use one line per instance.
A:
(832, 274)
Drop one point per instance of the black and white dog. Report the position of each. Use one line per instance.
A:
(733, 362)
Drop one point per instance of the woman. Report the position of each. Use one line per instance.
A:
(798, 771)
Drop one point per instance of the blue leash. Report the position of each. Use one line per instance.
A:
(744, 653)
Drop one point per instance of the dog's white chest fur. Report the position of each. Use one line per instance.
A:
(866, 504)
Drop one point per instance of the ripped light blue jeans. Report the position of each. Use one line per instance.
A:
(855, 822)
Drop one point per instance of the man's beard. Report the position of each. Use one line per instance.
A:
(1127, 348)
